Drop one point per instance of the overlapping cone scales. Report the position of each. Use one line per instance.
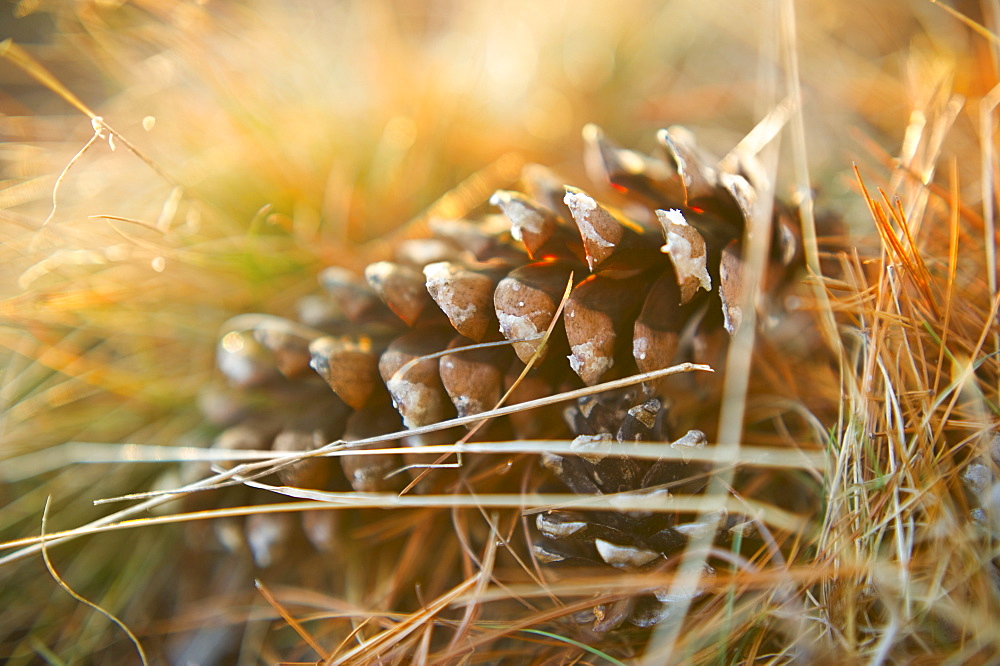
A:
(602, 157)
(543, 232)
(423, 251)
(656, 333)
(630, 171)
(625, 259)
(731, 284)
(526, 302)
(290, 350)
(624, 557)
(351, 294)
(414, 381)
(652, 264)
(608, 420)
(369, 473)
(604, 235)
(473, 273)
(308, 473)
(687, 251)
(598, 310)
(255, 434)
(698, 179)
(474, 379)
(349, 366)
(401, 287)
(464, 295)
(599, 230)
(789, 241)
(244, 361)
(630, 541)
(481, 238)
(537, 423)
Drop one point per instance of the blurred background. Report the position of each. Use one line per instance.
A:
(271, 139)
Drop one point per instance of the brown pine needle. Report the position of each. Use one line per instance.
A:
(386, 640)
(976, 26)
(349, 637)
(889, 238)
(17, 55)
(291, 621)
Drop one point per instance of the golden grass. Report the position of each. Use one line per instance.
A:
(254, 144)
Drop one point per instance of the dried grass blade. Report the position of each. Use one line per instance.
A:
(913, 260)
(387, 639)
(64, 585)
(24, 60)
(482, 582)
(292, 622)
(975, 26)
(953, 232)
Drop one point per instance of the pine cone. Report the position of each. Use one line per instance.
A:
(982, 481)
(655, 281)
(626, 540)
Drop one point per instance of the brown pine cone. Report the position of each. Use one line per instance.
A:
(982, 481)
(656, 277)
(624, 540)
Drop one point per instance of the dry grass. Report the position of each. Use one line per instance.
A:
(253, 145)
